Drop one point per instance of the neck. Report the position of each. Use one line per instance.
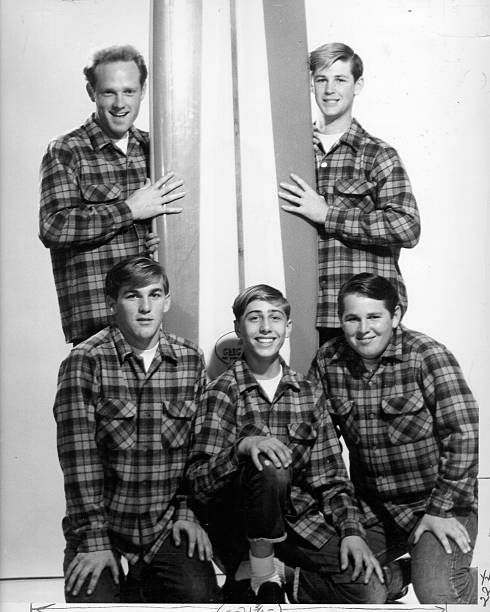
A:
(264, 369)
(334, 126)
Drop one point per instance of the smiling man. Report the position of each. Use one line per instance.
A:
(124, 406)
(266, 464)
(96, 198)
(363, 206)
(410, 422)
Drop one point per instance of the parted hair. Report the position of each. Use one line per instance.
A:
(371, 286)
(259, 292)
(325, 55)
(135, 272)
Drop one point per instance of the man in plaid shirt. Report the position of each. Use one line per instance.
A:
(266, 463)
(364, 210)
(124, 407)
(410, 422)
(96, 200)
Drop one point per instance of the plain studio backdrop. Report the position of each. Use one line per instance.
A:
(426, 93)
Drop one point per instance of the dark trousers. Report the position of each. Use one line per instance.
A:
(257, 505)
(171, 577)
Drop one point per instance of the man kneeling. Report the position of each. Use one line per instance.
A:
(403, 408)
(267, 465)
(125, 402)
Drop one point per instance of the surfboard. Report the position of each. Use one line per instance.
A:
(226, 118)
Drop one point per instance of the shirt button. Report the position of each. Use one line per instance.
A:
(323, 165)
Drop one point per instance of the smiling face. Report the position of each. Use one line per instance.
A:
(117, 95)
(368, 326)
(263, 328)
(335, 89)
(139, 313)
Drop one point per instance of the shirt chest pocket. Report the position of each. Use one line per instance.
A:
(101, 192)
(116, 423)
(407, 418)
(176, 422)
(353, 190)
(346, 417)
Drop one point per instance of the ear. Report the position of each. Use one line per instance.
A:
(143, 89)
(90, 91)
(359, 84)
(236, 325)
(397, 316)
(167, 303)
(289, 327)
(111, 304)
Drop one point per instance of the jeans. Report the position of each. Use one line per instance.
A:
(437, 577)
(257, 505)
(171, 577)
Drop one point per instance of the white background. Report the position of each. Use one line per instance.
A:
(426, 93)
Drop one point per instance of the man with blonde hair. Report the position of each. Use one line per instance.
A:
(363, 206)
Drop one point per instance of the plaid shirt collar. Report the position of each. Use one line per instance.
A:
(246, 380)
(99, 138)
(353, 136)
(124, 349)
(393, 352)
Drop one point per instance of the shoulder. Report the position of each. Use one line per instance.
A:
(183, 347)
(330, 350)
(141, 135)
(86, 355)
(226, 383)
(375, 146)
(68, 146)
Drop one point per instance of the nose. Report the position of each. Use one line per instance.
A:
(363, 327)
(119, 100)
(329, 87)
(265, 326)
(144, 304)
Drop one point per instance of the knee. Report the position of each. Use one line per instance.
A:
(200, 588)
(274, 476)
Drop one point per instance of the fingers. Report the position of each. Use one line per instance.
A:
(172, 210)
(378, 569)
(176, 534)
(191, 541)
(277, 452)
(357, 559)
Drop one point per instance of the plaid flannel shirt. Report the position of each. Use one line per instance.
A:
(234, 406)
(123, 440)
(411, 426)
(371, 214)
(85, 220)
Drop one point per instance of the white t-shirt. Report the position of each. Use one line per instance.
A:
(269, 385)
(122, 143)
(147, 355)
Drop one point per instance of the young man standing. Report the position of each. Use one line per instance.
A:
(363, 206)
(410, 422)
(267, 464)
(124, 407)
(96, 198)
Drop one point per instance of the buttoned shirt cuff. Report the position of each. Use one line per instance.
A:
(183, 512)
(352, 528)
(124, 218)
(95, 541)
(334, 218)
(438, 505)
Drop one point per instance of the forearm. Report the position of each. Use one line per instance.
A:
(392, 226)
(72, 223)
(207, 473)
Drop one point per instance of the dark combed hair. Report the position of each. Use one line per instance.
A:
(259, 292)
(136, 272)
(371, 286)
(326, 55)
(116, 53)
